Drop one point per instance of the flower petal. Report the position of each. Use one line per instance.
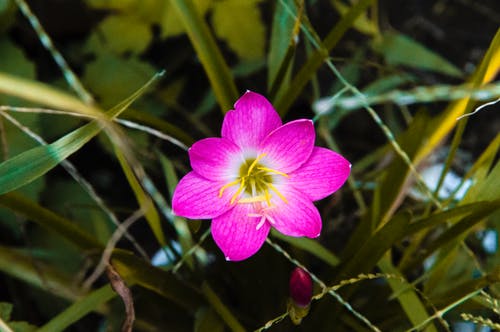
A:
(289, 146)
(198, 198)
(321, 175)
(216, 159)
(238, 235)
(297, 216)
(251, 121)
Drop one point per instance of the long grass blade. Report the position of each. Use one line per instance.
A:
(30, 165)
(210, 56)
(315, 61)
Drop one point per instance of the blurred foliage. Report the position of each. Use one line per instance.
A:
(87, 182)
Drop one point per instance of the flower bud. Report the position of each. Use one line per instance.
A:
(301, 289)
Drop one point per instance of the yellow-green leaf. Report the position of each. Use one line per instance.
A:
(120, 34)
(240, 25)
(362, 24)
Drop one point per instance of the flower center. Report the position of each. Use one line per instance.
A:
(256, 181)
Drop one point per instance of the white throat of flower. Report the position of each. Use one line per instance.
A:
(257, 181)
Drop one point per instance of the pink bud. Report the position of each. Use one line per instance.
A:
(301, 287)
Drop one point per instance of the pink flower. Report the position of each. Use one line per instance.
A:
(259, 174)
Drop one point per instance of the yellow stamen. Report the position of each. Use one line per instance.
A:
(257, 182)
(273, 188)
(230, 184)
(272, 171)
(259, 157)
(238, 192)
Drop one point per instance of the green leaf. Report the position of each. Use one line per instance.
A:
(113, 4)
(5, 311)
(16, 63)
(206, 319)
(443, 217)
(463, 290)
(219, 307)
(399, 49)
(14, 140)
(387, 83)
(479, 171)
(371, 250)
(43, 94)
(488, 188)
(30, 165)
(82, 208)
(284, 39)
(314, 62)
(79, 309)
(50, 220)
(456, 233)
(120, 34)
(145, 202)
(406, 295)
(440, 126)
(363, 24)
(311, 246)
(392, 180)
(22, 327)
(8, 12)
(180, 224)
(240, 25)
(282, 35)
(113, 79)
(19, 265)
(135, 270)
(397, 173)
(171, 23)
